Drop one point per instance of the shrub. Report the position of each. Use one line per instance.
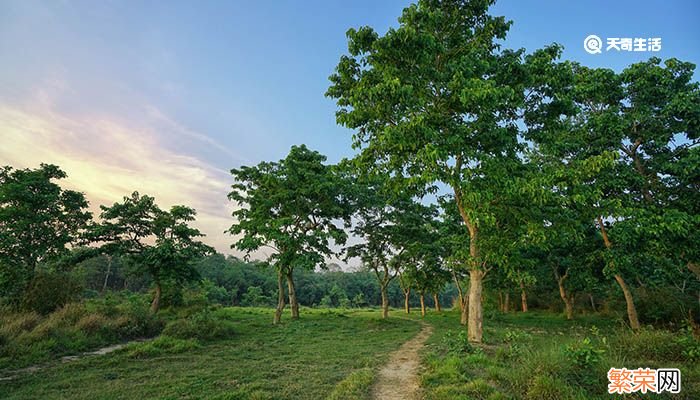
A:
(49, 291)
(137, 319)
(584, 354)
(458, 343)
(690, 345)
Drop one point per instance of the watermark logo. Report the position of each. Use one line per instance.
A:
(644, 380)
(593, 44)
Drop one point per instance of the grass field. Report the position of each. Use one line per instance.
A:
(334, 354)
(541, 355)
(304, 359)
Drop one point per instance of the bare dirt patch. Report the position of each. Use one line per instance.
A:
(398, 379)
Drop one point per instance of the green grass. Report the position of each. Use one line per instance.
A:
(540, 355)
(27, 338)
(325, 353)
(236, 353)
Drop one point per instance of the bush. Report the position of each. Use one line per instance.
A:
(49, 291)
(136, 319)
(584, 354)
(204, 325)
(458, 343)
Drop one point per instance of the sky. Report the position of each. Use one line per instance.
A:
(165, 97)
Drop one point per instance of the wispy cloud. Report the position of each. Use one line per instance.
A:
(108, 158)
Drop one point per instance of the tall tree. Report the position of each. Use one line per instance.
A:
(293, 207)
(39, 221)
(636, 131)
(155, 242)
(436, 99)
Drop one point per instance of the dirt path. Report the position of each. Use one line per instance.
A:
(398, 379)
(99, 352)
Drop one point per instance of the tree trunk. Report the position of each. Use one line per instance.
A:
(109, 271)
(292, 296)
(500, 301)
(464, 314)
(631, 309)
(566, 298)
(475, 318)
(523, 297)
(406, 305)
(155, 304)
(436, 299)
(385, 302)
(280, 298)
(463, 304)
(422, 304)
(506, 303)
(590, 296)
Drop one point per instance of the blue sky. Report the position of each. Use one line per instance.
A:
(166, 97)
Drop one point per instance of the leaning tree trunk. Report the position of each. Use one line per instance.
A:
(475, 317)
(568, 299)
(590, 297)
(631, 309)
(506, 303)
(293, 304)
(280, 298)
(422, 304)
(385, 302)
(463, 304)
(155, 304)
(523, 297)
(406, 304)
(436, 300)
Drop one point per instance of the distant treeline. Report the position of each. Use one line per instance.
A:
(232, 281)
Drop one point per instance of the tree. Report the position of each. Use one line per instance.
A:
(407, 282)
(636, 131)
(155, 242)
(292, 207)
(436, 99)
(39, 221)
(394, 227)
